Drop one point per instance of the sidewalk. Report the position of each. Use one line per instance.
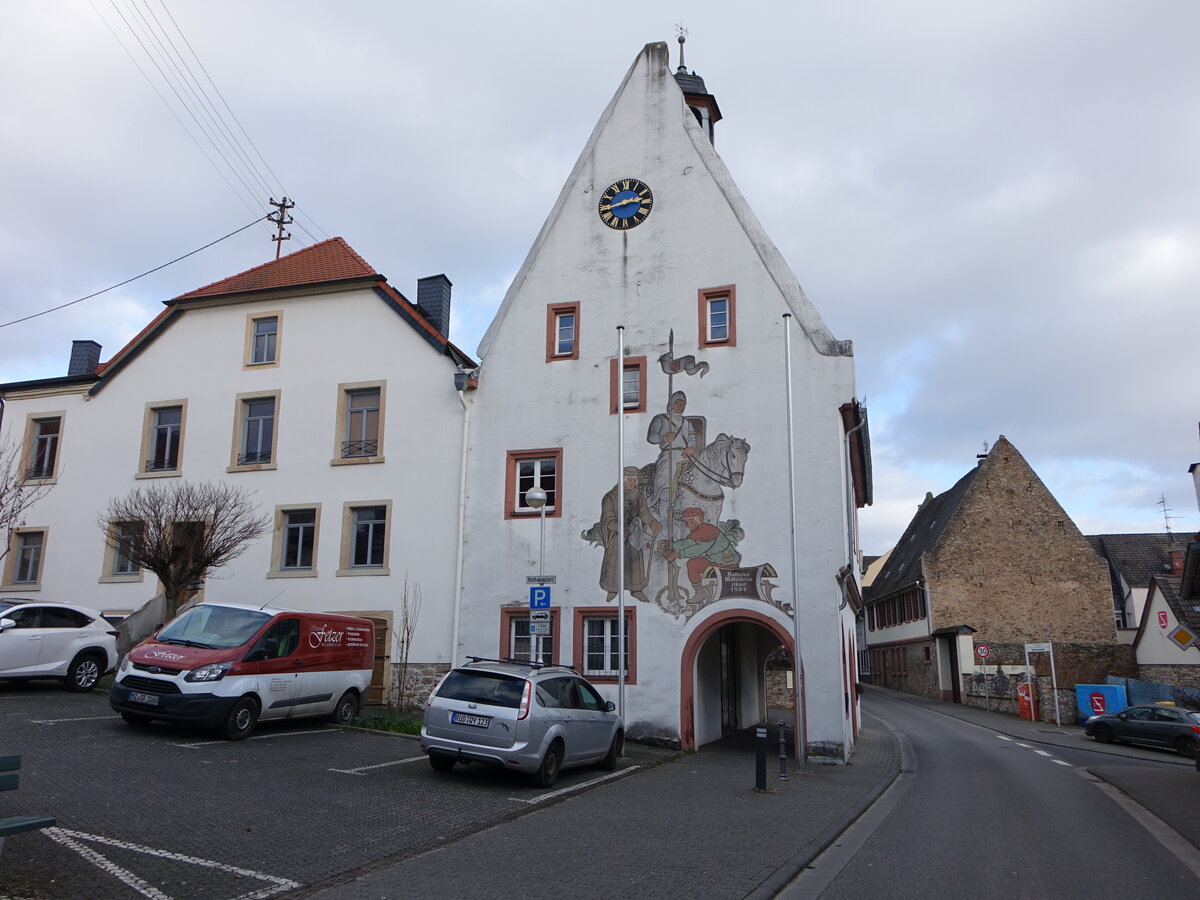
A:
(687, 825)
(1172, 794)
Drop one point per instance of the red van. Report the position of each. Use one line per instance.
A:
(229, 665)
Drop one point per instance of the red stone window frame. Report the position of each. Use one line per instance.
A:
(578, 635)
(508, 613)
(515, 457)
(614, 384)
(553, 311)
(704, 297)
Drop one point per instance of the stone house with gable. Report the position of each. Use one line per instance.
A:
(994, 560)
(1134, 561)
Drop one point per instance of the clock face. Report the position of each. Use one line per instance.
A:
(625, 204)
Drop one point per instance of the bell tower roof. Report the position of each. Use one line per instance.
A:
(702, 104)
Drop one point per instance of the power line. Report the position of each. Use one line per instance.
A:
(135, 277)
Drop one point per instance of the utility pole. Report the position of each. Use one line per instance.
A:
(280, 218)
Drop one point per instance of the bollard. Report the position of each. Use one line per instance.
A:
(783, 776)
(760, 754)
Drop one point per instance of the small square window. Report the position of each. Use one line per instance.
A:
(533, 468)
(717, 314)
(562, 331)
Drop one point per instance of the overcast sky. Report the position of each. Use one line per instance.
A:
(998, 203)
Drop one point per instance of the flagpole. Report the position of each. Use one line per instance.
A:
(621, 521)
(797, 658)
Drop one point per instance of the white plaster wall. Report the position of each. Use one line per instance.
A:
(906, 631)
(1155, 648)
(646, 280)
(324, 340)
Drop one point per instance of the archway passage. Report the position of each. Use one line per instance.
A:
(723, 675)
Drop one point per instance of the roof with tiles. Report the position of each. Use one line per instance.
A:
(327, 262)
(1137, 557)
(1186, 613)
(903, 567)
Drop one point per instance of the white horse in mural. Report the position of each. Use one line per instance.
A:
(698, 481)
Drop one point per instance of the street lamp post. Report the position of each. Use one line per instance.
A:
(536, 497)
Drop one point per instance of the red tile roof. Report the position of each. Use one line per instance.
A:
(331, 260)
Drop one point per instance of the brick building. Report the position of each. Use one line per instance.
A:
(994, 560)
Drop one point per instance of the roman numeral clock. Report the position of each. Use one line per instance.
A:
(625, 204)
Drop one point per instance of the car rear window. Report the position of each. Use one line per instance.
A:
(1195, 717)
(490, 688)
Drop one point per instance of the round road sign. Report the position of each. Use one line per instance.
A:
(983, 651)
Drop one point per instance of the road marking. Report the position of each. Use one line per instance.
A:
(1062, 762)
(577, 787)
(1026, 746)
(80, 719)
(360, 769)
(1043, 753)
(1049, 756)
(257, 737)
(1167, 836)
(71, 839)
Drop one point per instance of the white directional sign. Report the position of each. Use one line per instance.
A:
(1043, 647)
(539, 615)
(541, 579)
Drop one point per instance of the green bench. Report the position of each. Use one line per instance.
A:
(10, 768)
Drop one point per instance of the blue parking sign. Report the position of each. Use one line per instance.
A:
(539, 597)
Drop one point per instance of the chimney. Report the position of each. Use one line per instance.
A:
(433, 299)
(85, 357)
(1175, 562)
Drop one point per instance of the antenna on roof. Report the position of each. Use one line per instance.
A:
(280, 218)
(1166, 510)
(681, 36)
(985, 452)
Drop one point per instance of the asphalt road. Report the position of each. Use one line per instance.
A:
(161, 811)
(980, 812)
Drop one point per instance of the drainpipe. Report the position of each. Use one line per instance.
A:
(462, 517)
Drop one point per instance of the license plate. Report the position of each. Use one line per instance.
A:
(148, 699)
(466, 719)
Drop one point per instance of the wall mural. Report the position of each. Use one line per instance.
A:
(679, 554)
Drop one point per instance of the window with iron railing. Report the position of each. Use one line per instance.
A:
(258, 428)
(164, 447)
(362, 423)
(43, 449)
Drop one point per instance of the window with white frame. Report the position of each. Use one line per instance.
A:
(362, 423)
(43, 447)
(126, 539)
(528, 469)
(27, 548)
(627, 392)
(562, 331)
(525, 646)
(601, 646)
(264, 334)
(166, 430)
(258, 431)
(299, 539)
(717, 309)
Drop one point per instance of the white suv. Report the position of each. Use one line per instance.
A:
(519, 715)
(55, 640)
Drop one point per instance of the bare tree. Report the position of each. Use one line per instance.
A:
(406, 628)
(16, 493)
(182, 530)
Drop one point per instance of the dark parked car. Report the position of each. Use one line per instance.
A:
(1159, 726)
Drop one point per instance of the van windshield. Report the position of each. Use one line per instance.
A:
(213, 627)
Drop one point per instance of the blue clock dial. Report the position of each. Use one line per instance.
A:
(625, 204)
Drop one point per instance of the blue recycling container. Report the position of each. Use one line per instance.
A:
(1093, 699)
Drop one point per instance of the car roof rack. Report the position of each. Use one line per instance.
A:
(532, 664)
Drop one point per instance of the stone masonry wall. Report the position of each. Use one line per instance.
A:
(421, 679)
(1012, 565)
(1183, 676)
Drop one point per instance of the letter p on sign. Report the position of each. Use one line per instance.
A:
(539, 598)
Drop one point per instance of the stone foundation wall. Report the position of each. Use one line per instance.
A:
(779, 695)
(1183, 676)
(418, 683)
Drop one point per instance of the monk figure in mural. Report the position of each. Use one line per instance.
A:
(640, 529)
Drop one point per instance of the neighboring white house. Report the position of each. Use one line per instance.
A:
(650, 234)
(310, 382)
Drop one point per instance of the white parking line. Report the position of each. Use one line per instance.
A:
(360, 769)
(1062, 762)
(1042, 753)
(71, 839)
(257, 737)
(577, 787)
(79, 719)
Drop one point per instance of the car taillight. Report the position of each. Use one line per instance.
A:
(523, 711)
(1195, 728)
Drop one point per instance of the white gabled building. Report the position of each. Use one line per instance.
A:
(310, 382)
(650, 234)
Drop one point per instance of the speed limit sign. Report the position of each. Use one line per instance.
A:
(983, 651)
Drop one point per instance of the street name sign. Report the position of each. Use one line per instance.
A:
(541, 579)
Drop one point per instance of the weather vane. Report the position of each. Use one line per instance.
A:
(681, 36)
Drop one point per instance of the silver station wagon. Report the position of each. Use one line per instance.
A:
(530, 717)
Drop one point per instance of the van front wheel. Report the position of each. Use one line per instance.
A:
(240, 722)
(346, 710)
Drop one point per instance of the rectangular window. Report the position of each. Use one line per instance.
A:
(257, 428)
(516, 642)
(562, 331)
(362, 423)
(263, 338)
(43, 448)
(533, 468)
(299, 539)
(127, 537)
(365, 546)
(630, 391)
(164, 439)
(717, 309)
(596, 651)
(27, 564)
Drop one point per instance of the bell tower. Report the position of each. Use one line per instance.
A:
(702, 104)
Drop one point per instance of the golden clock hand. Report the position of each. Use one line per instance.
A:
(625, 202)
